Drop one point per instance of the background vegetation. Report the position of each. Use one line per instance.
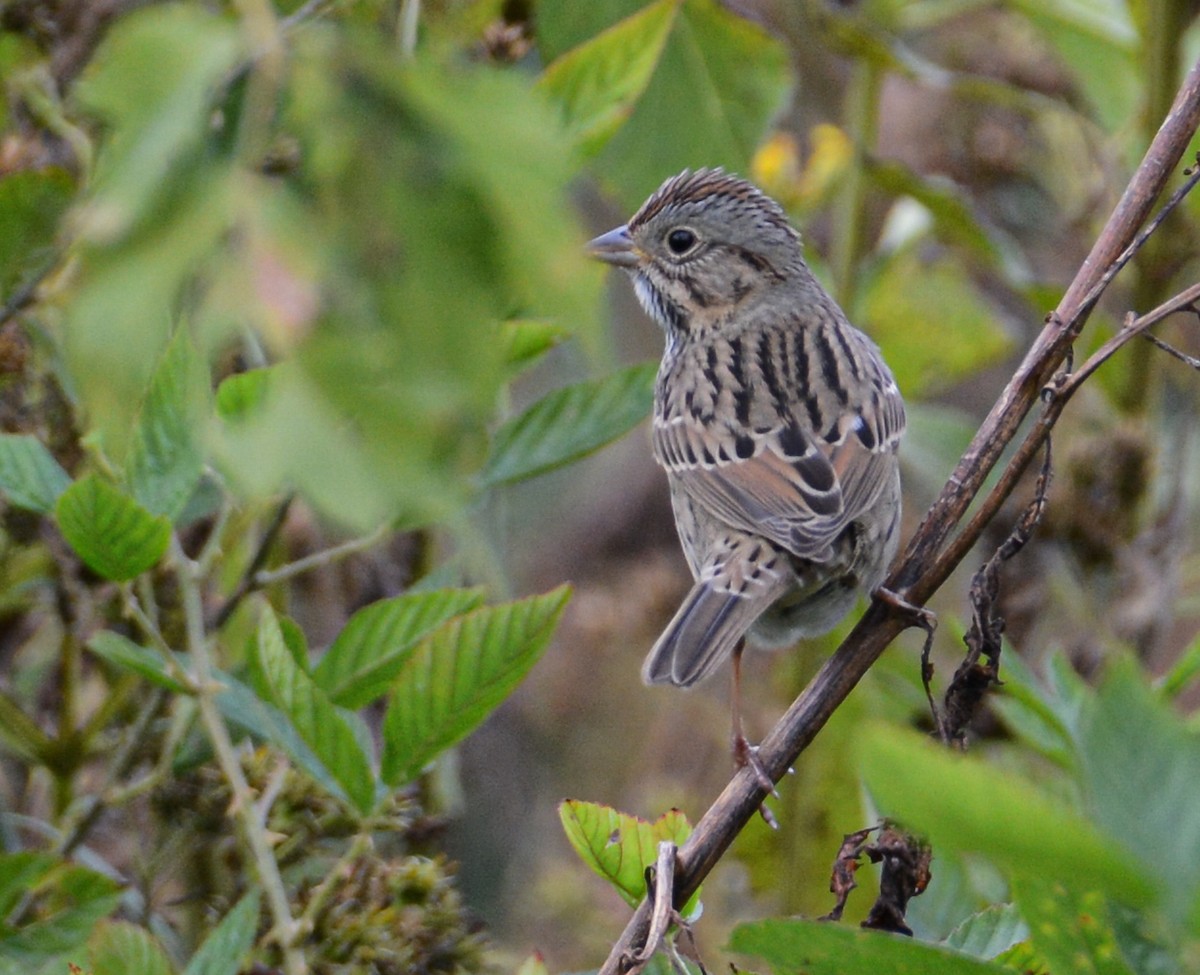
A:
(302, 376)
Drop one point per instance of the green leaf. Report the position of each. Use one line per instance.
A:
(247, 712)
(931, 321)
(240, 706)
(990, 932)
(598, 83)
(19, 872)
(31, 204)
(112, 533)
(563, 24)
(1183, 672)
(121, 948)
(1072, 932)
(227, 945)
(732, 76)
(322, 727)
(961, 804)
(120, 317)
(241, 394)
(1098, 42)
(526, 340)
(463, 170)
(620, 847)
(533, 965)
(458, 675)
(187, 52)
(29, 476)
(167, 455)
(1141, 776)
(1026, 709)
(124, 653)
(378, 639)
(954, 217)
(570, 423)
(73, 900)
(820, 948)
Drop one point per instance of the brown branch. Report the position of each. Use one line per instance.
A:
(933, 554)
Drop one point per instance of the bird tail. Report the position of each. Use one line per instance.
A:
(703, 633)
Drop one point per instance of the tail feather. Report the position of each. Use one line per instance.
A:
(703, 633)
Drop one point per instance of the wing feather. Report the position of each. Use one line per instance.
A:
(795, 488)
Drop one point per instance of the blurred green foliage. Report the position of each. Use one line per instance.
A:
(262, 260)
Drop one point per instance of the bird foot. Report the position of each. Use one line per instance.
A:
(917, 616)
(745, 754)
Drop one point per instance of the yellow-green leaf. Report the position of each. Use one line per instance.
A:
(620, 847)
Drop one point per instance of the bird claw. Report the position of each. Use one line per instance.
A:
(745, 754)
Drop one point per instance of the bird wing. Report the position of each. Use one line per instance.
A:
(789, 485)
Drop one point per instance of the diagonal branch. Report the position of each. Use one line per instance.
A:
(935, 550)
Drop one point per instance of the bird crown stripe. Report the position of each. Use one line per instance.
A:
(704, 184)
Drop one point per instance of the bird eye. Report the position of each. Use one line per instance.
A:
(681, 240)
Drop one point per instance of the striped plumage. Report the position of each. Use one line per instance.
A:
(776, 421)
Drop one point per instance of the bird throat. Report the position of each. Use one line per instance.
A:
(658, 305)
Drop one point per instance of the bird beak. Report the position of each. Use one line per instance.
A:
(615, 247)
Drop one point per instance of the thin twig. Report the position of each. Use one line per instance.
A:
(929, 559)
(247, 584)
(1183, 357)
(324, 891)
(243, 806)
(134, 736)
(327, 556)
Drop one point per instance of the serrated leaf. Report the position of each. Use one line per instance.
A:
(124, 653)
(322, 727)
(121, 948)
(961, 804)
(29, 476)
(990, 932)
(597, 84)
(239, 705)
(620, 847)
(109, 530)
(570, 423)
(226, 947)
(794, 945)
(372, 647)
(250, 714)
(459, 674)
(166, 458)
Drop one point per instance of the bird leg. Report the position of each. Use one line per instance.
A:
(743, 752)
